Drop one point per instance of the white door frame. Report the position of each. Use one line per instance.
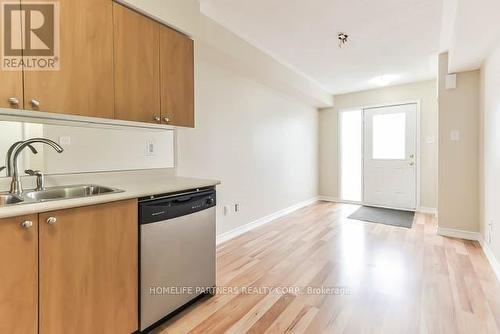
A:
(339, 148)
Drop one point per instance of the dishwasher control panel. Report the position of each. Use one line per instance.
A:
(162, 207)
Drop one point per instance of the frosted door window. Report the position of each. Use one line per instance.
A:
(389, 137)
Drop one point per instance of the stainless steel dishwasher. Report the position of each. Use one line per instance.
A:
(177, 252)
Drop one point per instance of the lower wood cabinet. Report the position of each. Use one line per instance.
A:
(19, 275)
(75, 269)
(88, 269)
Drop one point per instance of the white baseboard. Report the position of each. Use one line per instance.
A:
(337, 200)
(460, 234)
(262, 221)
(495, 265)
(328, 199)
(430, 211)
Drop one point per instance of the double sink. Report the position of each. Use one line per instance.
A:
(55, 193)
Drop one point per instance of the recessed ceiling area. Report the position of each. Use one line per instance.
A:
(390, 41)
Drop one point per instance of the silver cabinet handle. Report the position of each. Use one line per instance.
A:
(166, 119)
(51, 220)
(14, 102)
(157, 119)
(27, 224)
(35, 103)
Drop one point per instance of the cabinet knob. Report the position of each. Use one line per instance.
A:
(27, 224)
(14, 102)
(166, 119)
(51, 220)
(157, 119)
(35, 103)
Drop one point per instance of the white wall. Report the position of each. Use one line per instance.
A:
(426, 92)
(490, 138)
(256, 119)
(260, 143)
(458, 192)
(90, 149)
(96, 149)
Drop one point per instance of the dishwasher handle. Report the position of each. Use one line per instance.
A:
(182, 199)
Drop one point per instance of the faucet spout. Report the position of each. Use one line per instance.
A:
(16, 185)
(8, 160)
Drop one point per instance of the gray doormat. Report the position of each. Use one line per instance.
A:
(384, 216)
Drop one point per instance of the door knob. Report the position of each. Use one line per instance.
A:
(166, 119)
(14, 102)
(27, 224)
(35, 103)
(51, 220)
(157, 119)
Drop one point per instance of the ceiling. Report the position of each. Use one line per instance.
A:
(469, 32)
(396, 39)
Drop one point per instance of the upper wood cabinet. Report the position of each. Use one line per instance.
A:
(11, 81)
(88, 269)
(137, 66)
(177, 78)
(19, 275)
(11, 89)
(154, 71)
(83, 85)
(113, 63)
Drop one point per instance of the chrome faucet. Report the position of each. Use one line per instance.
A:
(40, 178)
(8, 160)
(16, 186)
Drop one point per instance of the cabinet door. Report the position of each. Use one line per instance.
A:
(19, 275)
(177, 78)
(11, 87)
(83, 85)
(137, 66)
(88, 269)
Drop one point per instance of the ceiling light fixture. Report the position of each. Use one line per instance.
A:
(343, 39)
(385, 80)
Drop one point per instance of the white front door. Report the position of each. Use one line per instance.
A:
(390, 178)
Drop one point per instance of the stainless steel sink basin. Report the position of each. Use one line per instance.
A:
(55, 193)
(8, 199)
(67, 192)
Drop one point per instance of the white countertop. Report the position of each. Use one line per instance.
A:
(134, 185)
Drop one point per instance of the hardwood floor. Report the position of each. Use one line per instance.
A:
(388, 280)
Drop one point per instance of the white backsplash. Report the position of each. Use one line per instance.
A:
(91, 149)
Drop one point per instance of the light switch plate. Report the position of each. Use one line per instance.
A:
(455, 135)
